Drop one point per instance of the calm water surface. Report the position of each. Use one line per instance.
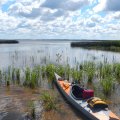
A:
(40, 52)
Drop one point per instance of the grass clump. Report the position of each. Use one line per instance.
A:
(49, 101)
(31, 107)
(89, 68)
(107, 84)
(27, 77)
(60, 70)
(31, 77)
(50, 69)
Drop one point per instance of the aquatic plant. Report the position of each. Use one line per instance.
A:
(90, 74)
(50, 69)
(75, 75)
(18, 76)
(13, 75)
(27, 76)
(31, 107)
(8, 76)
(107, 84)
(0, 77)
(32, 77)
(43, 71)
(49, 101)
(67, 71)
(89, 68)
(33, 81)
(116, 70)
(60, 70)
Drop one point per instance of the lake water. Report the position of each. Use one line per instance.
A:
(44, 52)
(31, 53)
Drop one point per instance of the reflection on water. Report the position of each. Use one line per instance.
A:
(32, 53)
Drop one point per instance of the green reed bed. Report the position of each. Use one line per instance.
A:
(107, 74)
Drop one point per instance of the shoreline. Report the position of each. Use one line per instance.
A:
(106, 45)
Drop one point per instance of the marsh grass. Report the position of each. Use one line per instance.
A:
(13, 75)
(50, 69)
(49, 101)
(89, 68)
(17, 75)
(67, 71)
(60, 70)
(76, 75)
(31, 107)
(108, 74)
(0, 77)
(116, 69)
(27, 77)
(107, 84)
(43, 71)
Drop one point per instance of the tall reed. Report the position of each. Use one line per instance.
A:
(18, 76)
(116, 70)
(89, 68)
(0, 77)
(107, 84)
(50, 69)
(27, 76)
(13, 75)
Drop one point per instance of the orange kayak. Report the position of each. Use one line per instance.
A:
(81, 104)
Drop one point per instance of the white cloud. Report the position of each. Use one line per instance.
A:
(107, 5)
(7, 22)
(101, 6)
(3, 1)
(64, 18)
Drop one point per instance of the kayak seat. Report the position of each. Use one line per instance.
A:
(76, 92)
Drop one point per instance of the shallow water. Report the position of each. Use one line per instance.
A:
(14, 102)
(14, 105)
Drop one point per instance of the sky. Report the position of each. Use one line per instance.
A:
(60, 19)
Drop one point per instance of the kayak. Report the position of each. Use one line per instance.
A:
(97, 110)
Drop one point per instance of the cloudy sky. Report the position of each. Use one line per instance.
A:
(60, 19)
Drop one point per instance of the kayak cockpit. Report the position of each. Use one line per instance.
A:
(78, 92)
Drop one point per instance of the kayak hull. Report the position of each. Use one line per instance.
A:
(75, 105)
(87, 112)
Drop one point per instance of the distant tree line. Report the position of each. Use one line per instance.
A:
(8, 41)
